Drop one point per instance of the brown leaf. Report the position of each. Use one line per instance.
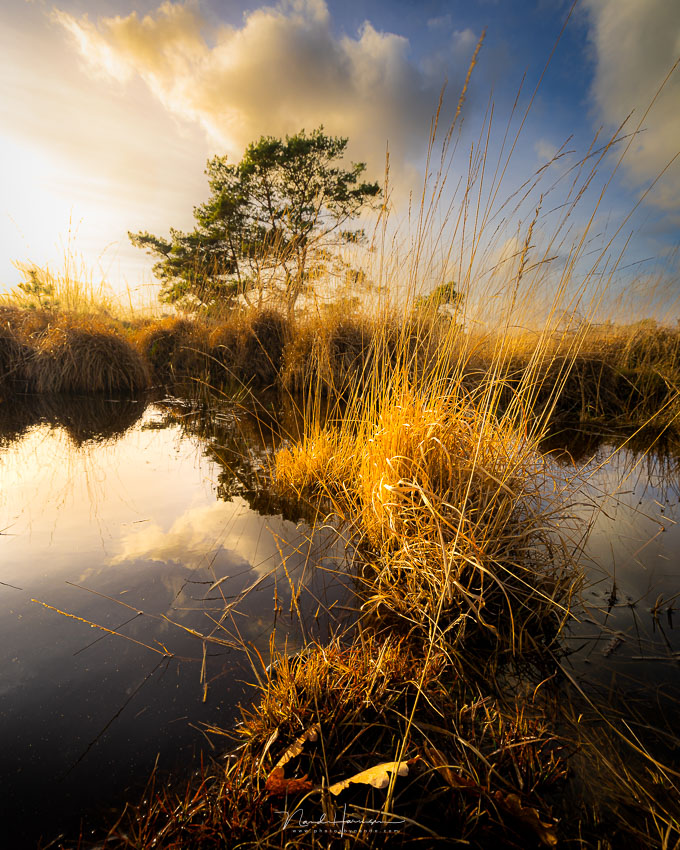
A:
(456, 780)
(378, 776)
(278, 786)
(311, 734)
(530, 817)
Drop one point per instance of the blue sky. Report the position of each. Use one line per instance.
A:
(110, 109)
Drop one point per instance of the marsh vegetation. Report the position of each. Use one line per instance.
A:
(418, 439)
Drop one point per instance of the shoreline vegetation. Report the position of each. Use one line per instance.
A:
(625, 376)
(446, 714)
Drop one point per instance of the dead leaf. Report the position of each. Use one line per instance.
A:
(456, 780)
(378, 776)
(530, 817)
(278, 786)
(311, 734)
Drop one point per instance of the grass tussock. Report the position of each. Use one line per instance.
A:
(623, 375)
(333, 713)
(334, 355)
(15, 356)
(628, 376)
(23, 323)
(612, 374)
(87, 357)
(174, 348)
(247, 349)
(446, 503)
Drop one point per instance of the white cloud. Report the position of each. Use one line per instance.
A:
(282, 70)
(195, 534)
(636, 44)
(261, 542)
(442, 22)
(82, 163)
(545, 150)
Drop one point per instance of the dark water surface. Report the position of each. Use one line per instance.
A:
(151, 521)
(625, 645)
(122, 516)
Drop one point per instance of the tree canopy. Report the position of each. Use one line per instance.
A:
(272, 225)
(445, 296)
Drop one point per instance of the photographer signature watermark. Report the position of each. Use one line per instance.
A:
(338, 826)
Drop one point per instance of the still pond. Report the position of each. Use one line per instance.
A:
(143, 571)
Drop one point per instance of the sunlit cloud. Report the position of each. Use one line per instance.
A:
(636, 45)
(282, 70)
(109, 117)
(200, 531)
(85, 159)
(197, 535)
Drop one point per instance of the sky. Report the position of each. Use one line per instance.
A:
(109, 109)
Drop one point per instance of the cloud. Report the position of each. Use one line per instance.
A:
(199, 531)
(282, 70)
(636, 45)
(442, 22)
(251, 539)
(82, 163)
(544, 150)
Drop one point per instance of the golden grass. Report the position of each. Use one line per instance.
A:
(329, 354)
(71, 290)
(460, 774)
(609, 374)
(86, 356)
(14, 359)
(174, 348)
(247, 349)
(448, 505)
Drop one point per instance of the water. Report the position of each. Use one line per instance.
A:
(129, 529)
(625, 644)
(152, 522)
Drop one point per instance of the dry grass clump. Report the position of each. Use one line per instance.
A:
(648, 362)
(447, 504)
(71, 290)
(321, 464)
(14, 358)
(174, 348)
(26, 323)
(628, 375)
(608, 374)
(335, 355)
(472, 771)
(638, 345)
(248, 348)
(84, 356)
(18, 329)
